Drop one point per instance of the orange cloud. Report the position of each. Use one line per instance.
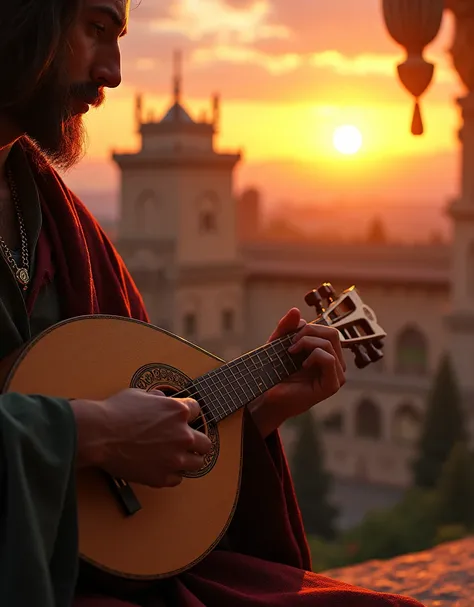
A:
(271, 49)
(289, 71)
(222, 21)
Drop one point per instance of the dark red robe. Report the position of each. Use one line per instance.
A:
(269, 564)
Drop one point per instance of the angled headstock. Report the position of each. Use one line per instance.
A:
(355, 321)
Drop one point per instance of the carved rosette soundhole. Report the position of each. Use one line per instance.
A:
(157, 376)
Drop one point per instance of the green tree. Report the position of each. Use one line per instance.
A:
(407, 527)
(443, 426)
(456, 488)
(312, 481)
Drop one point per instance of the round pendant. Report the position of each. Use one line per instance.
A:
(22, 276)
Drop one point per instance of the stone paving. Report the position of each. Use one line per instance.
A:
(442, 577)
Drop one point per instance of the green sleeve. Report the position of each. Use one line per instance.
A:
(38, 516)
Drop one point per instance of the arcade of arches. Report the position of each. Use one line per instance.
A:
(411, 358)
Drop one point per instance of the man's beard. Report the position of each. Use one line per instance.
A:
(49, 120)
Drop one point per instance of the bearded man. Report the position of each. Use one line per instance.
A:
(58, 57)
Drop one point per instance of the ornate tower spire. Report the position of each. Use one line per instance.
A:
(138, 111)
(177, 76)
(216, 113)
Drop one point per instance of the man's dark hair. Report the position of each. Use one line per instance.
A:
(31, 39)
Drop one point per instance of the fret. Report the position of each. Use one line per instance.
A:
(286, 360)
(223, 409)
(249, 374)
(263, 367)
(267, 371)
(205, 392)
(245, 380)
(236, 384)
(277, 363)
(220, 406)
(236, 381)
(255, 369)
(230, 391)
(271, 369)
(287, 342)
(244, 384)
(207, 395)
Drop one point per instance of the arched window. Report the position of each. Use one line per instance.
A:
(228, 320)
(190, 323)
(334, 423)
(368, 421)
(147, 212)
(207, 222)
(411, 352)
(208, 212)
(406, 424)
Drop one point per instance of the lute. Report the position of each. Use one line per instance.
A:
(137, 532)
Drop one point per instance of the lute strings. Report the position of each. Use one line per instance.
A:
(214, 391)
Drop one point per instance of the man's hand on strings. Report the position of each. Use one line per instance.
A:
(321, 376)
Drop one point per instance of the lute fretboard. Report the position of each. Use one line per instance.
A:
(225, 390)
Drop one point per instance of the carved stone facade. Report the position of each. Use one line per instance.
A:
(177, 230)
(179, 236)
(460, 320)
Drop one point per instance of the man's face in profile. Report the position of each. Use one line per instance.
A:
(90, 62)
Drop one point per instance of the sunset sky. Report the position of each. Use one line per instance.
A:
(289, 72)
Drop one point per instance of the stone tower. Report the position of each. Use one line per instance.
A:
(178, 227)
(460, 320)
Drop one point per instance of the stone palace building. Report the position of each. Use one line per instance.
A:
(194, 248)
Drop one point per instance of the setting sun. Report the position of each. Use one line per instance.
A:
(347, 139)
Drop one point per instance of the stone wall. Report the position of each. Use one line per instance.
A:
(442, 577)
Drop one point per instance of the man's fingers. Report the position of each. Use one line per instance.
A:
(202, 443)
(316, 346)
(193, 408)
(290, 322)
(325, 366)
(192, 462)
(327, 333)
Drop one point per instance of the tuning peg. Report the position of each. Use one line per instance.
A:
(373, 352)
(327, 291)
(378, 343)
(314, 299)
(362, 359)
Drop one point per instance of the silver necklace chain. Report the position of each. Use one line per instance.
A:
(21, 273)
